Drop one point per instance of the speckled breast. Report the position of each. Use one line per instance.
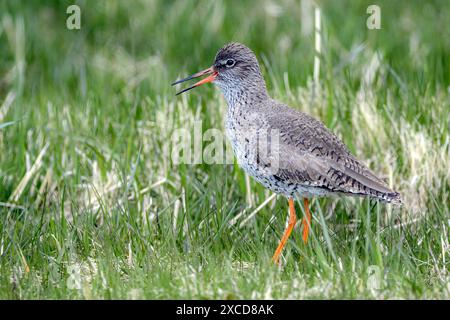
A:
(247, 155)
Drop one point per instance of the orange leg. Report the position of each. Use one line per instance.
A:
(306, 221)
(287, 232)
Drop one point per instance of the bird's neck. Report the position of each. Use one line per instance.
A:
(244, 97)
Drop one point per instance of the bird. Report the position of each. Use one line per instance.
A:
(287, 151)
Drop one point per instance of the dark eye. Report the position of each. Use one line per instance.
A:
(230, 63)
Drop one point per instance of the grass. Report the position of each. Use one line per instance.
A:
(91, 205)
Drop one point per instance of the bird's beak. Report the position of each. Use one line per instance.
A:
(212, 76)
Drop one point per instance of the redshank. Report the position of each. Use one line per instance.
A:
(307, 159)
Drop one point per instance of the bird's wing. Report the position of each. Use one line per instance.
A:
(313, 155)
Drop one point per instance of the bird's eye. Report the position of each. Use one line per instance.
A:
(230, 63)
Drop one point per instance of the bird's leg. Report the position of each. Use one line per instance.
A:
(287, 232)
(306, 221)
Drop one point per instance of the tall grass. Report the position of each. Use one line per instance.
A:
(91, 205)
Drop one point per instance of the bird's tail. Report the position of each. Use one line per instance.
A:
(389, 197)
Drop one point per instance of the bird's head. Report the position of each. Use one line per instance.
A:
(234, 65)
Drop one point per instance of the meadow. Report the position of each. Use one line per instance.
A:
(93, 207)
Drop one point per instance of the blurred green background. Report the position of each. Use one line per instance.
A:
(86, 180)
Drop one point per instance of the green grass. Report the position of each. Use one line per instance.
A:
(88, 188)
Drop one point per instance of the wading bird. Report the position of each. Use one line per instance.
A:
(307, 159)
